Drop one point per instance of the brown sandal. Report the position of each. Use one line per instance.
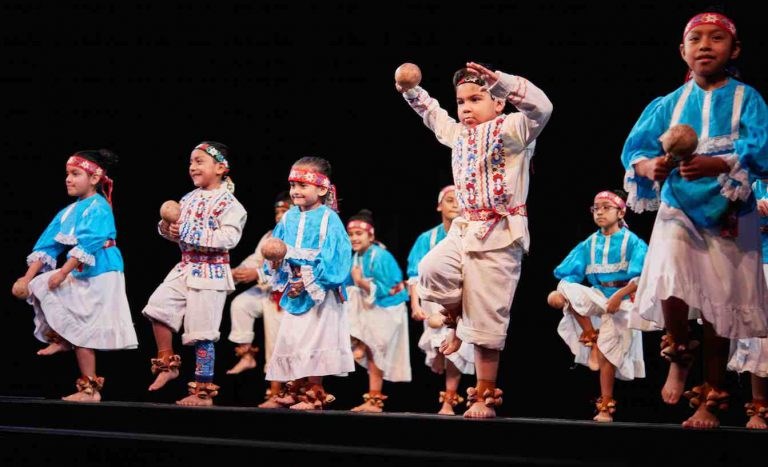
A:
(682, 354)
(715, 401)
(316, 396)
(491, 398)
(89, 385)
(757, 407)
(605, 405)
(162, 365)
(203, 390)
(375, 398)
(451, 398)
(589, 337)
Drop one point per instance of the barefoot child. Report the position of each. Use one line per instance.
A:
(378, 316)
(194, 292)
(313, 339)
(473, 272)
(435, 330)
(595, 318)
(701, 264)
(81, 306)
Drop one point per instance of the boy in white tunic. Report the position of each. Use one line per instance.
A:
(474, 272)
(194, 292)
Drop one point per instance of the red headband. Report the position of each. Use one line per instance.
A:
(442, 193)
(358, 224)
(717, 19)
(611, 197)
(312, 177)
(92, 168)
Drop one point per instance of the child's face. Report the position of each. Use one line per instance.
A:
(206, 173)
(475, 105)
(80, 183)
(306, 196)
(360, 239)
(707, 48)
(279, 212)
(606, 214)
(449, 206)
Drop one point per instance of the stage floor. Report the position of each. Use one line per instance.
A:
(39, 432)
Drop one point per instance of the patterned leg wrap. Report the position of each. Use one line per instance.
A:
(205, 355)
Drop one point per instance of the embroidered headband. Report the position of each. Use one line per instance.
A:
(283, 204)
(92, 168)
(611, 197)
(217, 155)
(443, 192)
(719, 20)
(358, 224)
(470, 78)
(312, 177)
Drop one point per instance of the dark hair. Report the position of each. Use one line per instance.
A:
(620, 193)
(318, 163)
(462, 73)
(364, 215)
(284, 196)
(321, 165)
(104, 157)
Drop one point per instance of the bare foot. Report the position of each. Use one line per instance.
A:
(675, 384)
(480, 410)
(82, 396)
(446, 409)
(246, 362)
(451, 343)
(358, 352)
(366, 406)
(285, 401)
(603, 417)
(193, 401)
(162, 379)
(54, 347)
(757, 422)
(271, 403)
(305, 406)
(702, 419)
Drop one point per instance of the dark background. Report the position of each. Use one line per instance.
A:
(280, 80)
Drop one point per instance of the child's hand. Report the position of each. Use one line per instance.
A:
(245, 274)
(295, 288)
(613, 304)
(703, 166)
(762, 207)
(20, 288)
(489, 76)
(417, 312)
(56, 279)
(654, 169)
(357, 275)
(173, 230)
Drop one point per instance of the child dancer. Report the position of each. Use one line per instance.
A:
(473, 273)
(82, 305)
(696, 268)
(378, 317)
(435, 330)
(611, 260)
(751, 355)
(255, 302)
(313, 339)
(194, 292)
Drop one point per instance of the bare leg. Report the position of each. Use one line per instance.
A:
(247, 359)
(715, 358)
(86, 362)
(55, 347)
(759, 396)
(607, 378)
(588, 335)
(676, 320)
(487, 366)
(452, 379)
(164, 340)
(275, 388)
(375, 383)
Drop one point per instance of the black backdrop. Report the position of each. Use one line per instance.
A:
(280, 80)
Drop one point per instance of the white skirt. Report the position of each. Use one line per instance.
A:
(431, 338)
(315, 343)
(720, 279)
(750, 354)
(92, 313)
(622, 346)
(385, 331)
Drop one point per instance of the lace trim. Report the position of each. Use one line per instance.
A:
(49, 262)
(65, 239)
(82, 256)
(607, 268)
